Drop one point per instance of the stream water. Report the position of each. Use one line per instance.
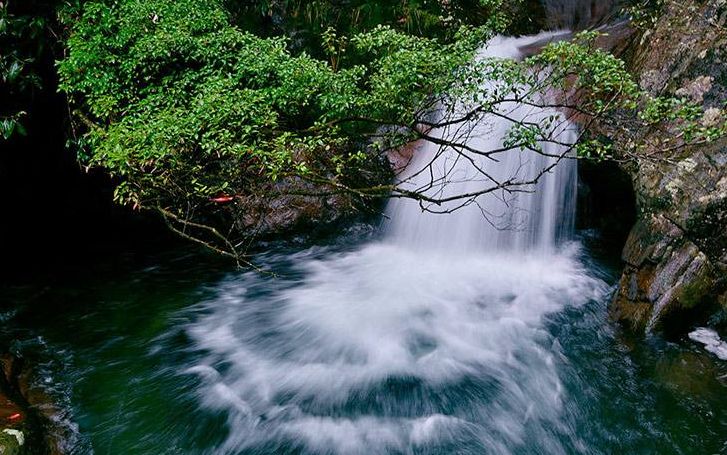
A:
(430, 334)
(361, 347)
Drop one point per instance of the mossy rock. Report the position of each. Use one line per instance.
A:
(697, 292)
(12, 442)
(691, 374)
(694, 303)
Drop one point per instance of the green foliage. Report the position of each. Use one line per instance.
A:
(645, 13)
(688, 115)
(601, 80)
(21, 41)
(184, 105)
(605, 89)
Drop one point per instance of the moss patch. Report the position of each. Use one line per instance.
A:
(696, 293)
(9, 444)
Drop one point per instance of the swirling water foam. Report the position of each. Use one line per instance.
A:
(429, 340)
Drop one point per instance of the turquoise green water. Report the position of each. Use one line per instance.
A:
(135, 353)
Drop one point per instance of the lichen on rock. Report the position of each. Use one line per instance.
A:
(676, 255)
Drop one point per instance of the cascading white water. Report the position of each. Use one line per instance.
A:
(530, 217)
(429, 341)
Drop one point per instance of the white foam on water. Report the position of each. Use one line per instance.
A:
(360, 319)
(711, 341)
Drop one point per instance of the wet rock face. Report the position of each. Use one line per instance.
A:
(289, 206)
(294, 206)
(676, 255)
(579, 14)
(661, 267)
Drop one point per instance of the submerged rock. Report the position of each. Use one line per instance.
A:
(689, 374)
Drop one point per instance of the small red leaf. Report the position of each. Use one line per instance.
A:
(222, 199)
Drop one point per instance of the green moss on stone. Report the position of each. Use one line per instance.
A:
(9, 444)
(696, 293)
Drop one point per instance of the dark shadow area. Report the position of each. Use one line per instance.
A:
(606, 202)
(52, 212)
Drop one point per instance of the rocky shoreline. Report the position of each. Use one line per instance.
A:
(26, 412)
(18, 423)
(675, 258)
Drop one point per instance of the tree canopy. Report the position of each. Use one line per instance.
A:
(184, 105)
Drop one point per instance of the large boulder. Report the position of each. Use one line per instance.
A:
(676, 255)
(291, 206)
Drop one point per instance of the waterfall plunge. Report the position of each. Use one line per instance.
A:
(534, 217)
(430, 341)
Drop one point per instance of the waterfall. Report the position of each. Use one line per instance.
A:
(430, 340)
(533, 217)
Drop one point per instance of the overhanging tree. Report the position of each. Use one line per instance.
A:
(186, 108)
